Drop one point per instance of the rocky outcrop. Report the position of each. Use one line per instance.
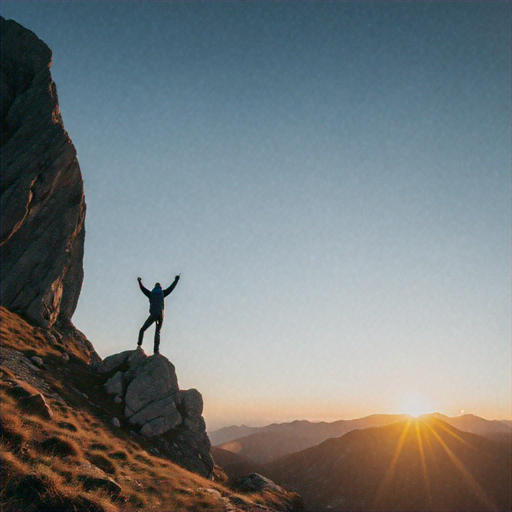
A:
(255, 482)
(42, 194)
(147, 390)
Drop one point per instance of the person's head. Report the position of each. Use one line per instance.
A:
(157, 285)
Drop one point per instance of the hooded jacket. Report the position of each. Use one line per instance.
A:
(156, 297)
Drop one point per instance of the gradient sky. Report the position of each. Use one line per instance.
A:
(332, 180)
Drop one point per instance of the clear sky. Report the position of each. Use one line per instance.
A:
(331, 179)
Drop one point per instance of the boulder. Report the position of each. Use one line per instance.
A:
(114, 385)
(155, 379)
(190, 450)
(37, 361)
(195, 424)
(147, 389)
(191, 402)
(156, 417)
(124, 360)
(113, 362)
(255, 482)
(42, 192)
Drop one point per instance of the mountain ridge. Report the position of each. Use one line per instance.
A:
(273, 441)
(417, 464)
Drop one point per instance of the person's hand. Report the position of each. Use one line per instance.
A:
(177, 277)
(139, 279)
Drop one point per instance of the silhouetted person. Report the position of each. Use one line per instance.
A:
(156, 309)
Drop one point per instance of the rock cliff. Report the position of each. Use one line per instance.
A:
(146, 389)
(42, 245)
(42, 193)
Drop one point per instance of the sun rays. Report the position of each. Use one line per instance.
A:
(424, 439)
(426, 479)
(388, 477)
(468, 477)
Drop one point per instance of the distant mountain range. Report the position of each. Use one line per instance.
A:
(265, 444)
(475, 424)
(413, 465)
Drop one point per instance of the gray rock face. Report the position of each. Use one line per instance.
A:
(147, 389)
(255, 482)
(128, 359)
(192, 402)
(42, 194)
(114, 385)
(143, 392)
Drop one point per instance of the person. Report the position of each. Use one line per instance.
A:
(156, 309)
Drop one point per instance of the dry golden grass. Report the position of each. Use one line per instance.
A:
(55, 464)
(32, 340)
(99, 460)
(50, 459)
(18, 334)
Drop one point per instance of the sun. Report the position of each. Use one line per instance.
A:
(416, 404)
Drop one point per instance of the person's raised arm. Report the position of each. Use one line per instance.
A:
(144, 290)
(171, 288)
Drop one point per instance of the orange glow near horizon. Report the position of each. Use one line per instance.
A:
(222, 413)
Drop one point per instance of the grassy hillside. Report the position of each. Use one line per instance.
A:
(65, 453)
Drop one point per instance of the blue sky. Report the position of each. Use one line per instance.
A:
(331, 179)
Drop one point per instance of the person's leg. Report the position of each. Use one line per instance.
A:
(147, 323)
(159, 322)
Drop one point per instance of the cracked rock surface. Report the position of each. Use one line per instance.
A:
(147, 389)
(42, 191)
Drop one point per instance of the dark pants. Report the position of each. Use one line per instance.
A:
(159, 319)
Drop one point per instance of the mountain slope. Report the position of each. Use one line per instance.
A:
(413, 465)
(277, 440)
(235, 466)
(225, 434)
(65, 446)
